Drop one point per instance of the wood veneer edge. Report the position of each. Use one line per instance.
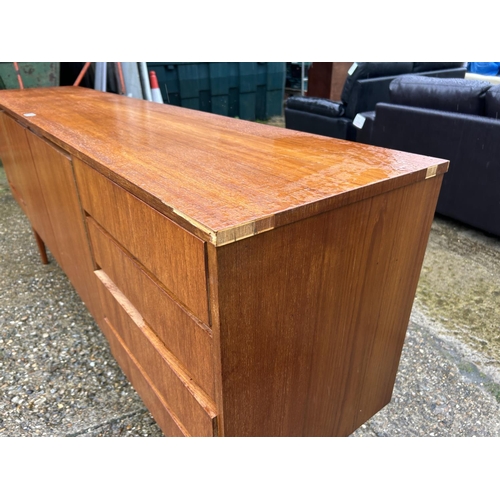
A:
(302, 212)
(202, 398)
(147, 378)
(206, 328)
(250, 228)
(213, 277)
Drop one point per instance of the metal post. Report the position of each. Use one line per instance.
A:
(132, 80)
(98, 76)
(103, 76)
(143, 71)
(302, 76)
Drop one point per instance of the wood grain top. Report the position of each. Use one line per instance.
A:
(223, 179)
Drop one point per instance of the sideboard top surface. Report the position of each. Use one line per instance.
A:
(224, 179)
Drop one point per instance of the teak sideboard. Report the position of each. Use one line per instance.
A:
(250, 280)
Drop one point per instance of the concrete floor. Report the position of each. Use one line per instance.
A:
(58, 378)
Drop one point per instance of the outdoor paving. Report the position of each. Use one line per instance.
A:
(58, 378)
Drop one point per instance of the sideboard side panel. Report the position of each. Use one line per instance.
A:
(313, 315)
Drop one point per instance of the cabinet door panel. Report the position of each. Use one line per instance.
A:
(22, 175)
(57, 182)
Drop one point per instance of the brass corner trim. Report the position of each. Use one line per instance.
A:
(431, 172)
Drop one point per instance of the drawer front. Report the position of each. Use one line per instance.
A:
(173, 255)
(186, 338)
(190, 405)
(161, 412)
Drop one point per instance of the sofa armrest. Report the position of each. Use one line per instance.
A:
(364, 122)
(316, 105)
(470, 191)
(337, 127)
(431, 132)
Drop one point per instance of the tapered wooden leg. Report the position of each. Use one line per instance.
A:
(41, 248)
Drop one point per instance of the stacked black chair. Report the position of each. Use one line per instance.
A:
(367, 84)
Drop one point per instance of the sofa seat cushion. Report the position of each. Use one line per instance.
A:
(444, 94)
(492, 102)
(316, 105)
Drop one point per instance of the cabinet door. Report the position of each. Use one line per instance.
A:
(23, 179)
(55, 174)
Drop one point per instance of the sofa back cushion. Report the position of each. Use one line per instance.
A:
(443, 94)
(422, 67)
(365, 70)
(492, 102)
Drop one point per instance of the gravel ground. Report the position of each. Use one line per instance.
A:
(58, 378)
(57, 375)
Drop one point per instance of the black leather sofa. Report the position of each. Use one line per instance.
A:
(454, 119)
(365, 86)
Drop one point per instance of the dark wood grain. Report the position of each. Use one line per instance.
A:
(188, 339)
(223, 178)
(313, 315)
(326, 79)
(319, 77)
